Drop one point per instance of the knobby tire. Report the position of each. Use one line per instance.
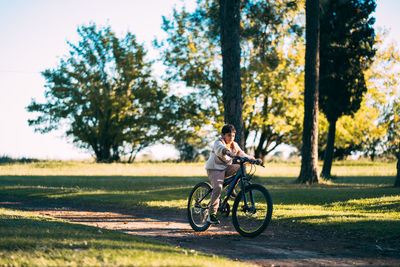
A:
(197, 212)
(251, 223)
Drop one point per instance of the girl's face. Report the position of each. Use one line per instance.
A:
(228, 137)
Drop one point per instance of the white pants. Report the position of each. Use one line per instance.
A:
(217, 179)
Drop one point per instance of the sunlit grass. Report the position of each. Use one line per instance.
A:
(371, 217)
(32, 240)
(361, 199)
(71, 168)
(99, 169)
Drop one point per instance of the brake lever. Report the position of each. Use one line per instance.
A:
(236, 160)
(260, 164)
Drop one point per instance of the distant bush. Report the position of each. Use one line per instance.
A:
(7, 160)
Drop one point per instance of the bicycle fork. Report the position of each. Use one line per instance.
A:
(246, 207)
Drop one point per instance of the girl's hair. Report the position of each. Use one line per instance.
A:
(228, 128)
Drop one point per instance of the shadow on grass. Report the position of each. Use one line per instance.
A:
(127, 192)
(169, 194)
(121, 200)
(293, 195)
(109, 183)
(22, 233)
(385, 231)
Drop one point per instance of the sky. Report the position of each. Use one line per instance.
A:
(34, 35)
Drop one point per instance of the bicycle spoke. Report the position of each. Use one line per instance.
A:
(198, 207)
(250, 219)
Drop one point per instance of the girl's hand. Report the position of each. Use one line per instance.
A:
(230, 154)
(259, 161)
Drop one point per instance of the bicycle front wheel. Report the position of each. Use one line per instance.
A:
(251, 218)
(198, 206)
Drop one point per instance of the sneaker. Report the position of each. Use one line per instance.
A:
(212, 218)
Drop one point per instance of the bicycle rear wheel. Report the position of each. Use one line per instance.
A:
(198, 206)
(251, 220)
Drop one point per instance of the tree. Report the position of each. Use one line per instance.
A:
(271, 67)
(383, 80)
(309, 153)
(386, 75)
(230, 47)
(392, 144)
(272, 110)
(272, 73)
(104, 94)
(365, 130)
(347, 40)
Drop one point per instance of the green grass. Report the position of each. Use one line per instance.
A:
(31, 240)
(361, 201)
(76, 168)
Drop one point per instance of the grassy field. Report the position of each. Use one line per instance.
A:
(360, 202)
(31, 240)
(76, 168)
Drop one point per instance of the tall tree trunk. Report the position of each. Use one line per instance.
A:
(230, 47)
(258, 151)
(397, 182)
(104, 155)
(330, 145)
(309, 153)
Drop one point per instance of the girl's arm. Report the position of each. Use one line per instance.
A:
(221, 150)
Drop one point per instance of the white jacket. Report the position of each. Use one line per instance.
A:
(218, 160)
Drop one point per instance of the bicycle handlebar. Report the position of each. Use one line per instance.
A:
(245, 159)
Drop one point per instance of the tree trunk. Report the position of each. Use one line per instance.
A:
(245, 136)
(264, 145)
(309, 159)
(258, 151)
(397, 182)
(329, 150)
(372, 156)
(105, 155)
(230, 47)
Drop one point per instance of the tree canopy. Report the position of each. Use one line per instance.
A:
(347, 49)
(104, 93)
(270, 44)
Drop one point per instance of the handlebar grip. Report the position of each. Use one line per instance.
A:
(245, 159)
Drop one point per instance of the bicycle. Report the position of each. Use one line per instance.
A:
(252, 207)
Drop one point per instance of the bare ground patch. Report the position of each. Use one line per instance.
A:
(279, 245)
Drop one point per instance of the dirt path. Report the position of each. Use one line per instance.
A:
(277, 246)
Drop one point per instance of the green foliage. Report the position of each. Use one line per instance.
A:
(271, 76)
(6, 160)
(387, 77)
(346, 51)
(191, 57)
(193, 148)
(392, 144)
(366, 130)
(347, 41)
(392, 118)
(184, 125)
(103, 93)
(383, 85)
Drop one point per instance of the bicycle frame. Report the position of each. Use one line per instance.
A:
(252, 206)
(233, 181)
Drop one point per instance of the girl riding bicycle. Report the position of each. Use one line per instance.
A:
(219, 165)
